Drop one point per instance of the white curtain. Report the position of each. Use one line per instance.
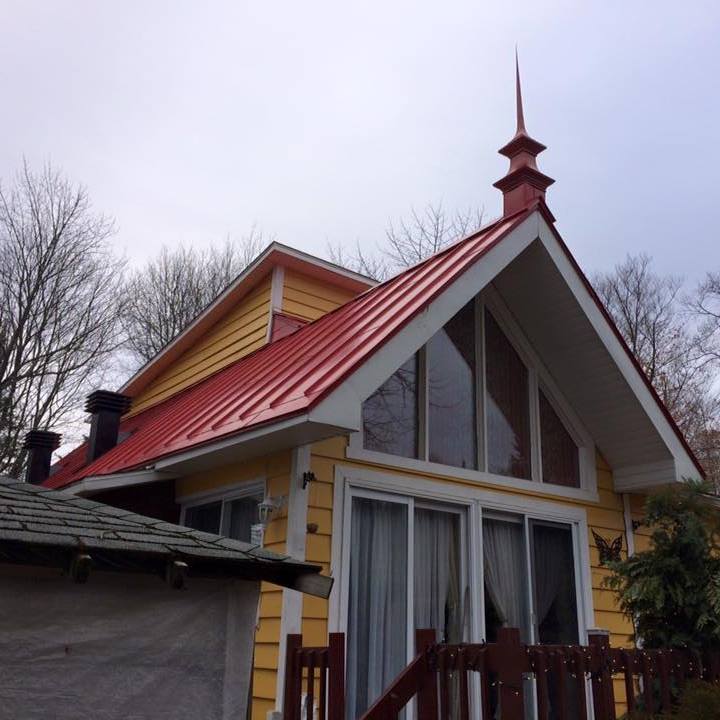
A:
(377, 612)
(437, 574)
(506, 572)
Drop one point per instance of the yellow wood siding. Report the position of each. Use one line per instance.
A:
(275, 469)
(309, 298)
(240, 332)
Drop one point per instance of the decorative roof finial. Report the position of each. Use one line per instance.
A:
(524, 183)
(518, 98)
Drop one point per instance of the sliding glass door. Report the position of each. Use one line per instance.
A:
(529, 573)
(406, 572)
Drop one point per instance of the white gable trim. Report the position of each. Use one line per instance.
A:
(684, 465)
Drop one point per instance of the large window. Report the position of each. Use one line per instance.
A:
(471, 399)
(232, 515)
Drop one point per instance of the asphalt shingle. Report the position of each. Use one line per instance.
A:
(43, 517)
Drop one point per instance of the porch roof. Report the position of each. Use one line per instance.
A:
(35, 521)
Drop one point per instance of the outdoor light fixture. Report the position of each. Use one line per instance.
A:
(267, 507)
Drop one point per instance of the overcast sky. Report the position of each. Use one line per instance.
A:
(320, 121)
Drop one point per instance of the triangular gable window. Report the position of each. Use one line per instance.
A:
(473, 398)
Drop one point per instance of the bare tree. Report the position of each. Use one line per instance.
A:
(59, 290)
(650, 314)
(373, 265)
(171, 290)
(409, 241)
(427, 232)
(706, 306)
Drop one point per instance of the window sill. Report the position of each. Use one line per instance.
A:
(435, 469)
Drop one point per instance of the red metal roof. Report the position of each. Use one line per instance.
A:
(291, 375)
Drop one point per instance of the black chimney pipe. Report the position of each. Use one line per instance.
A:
(106, 408)
(39, 445)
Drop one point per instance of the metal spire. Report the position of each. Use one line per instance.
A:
(523, 184)
(518, 98)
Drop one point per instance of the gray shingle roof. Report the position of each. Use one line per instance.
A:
(37, 516)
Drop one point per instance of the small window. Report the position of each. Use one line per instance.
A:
(560, 462)
(233, 517)
(390, 414)
(204, 517)
(451, 373)
(508, 405)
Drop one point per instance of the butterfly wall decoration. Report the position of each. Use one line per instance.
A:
(609, 551)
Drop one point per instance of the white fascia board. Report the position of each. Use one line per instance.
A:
(299, 430)
(684, 465)
(343, 406)
(98, 483)
(641, 478)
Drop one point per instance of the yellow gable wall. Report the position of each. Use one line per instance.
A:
(240, 332)
(309, 298)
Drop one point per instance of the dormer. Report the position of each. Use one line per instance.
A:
(279, 292)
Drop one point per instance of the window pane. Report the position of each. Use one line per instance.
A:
(554, 580)
(390, 414)
(451, 387)
(204, 517)
(243, 515)
(560, 463)
(438, 595)
(377, 603)
(508, 412)
(506, 589)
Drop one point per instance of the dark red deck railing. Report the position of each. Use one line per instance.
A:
(568, 679)
(314, 679)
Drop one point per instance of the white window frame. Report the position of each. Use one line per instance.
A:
(539, 378)
(353, 481)
(225, 495)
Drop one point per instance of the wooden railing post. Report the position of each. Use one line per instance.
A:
(602, 682)
(293, 678)
(427, 698)
(336, 677)
(510, 661)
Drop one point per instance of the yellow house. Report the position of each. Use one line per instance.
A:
(451, 445)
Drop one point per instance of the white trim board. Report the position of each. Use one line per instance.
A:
(292, 600)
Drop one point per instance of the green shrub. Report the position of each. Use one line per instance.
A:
(672, 591)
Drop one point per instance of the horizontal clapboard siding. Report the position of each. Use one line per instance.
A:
(309, 298)
(240, 332)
